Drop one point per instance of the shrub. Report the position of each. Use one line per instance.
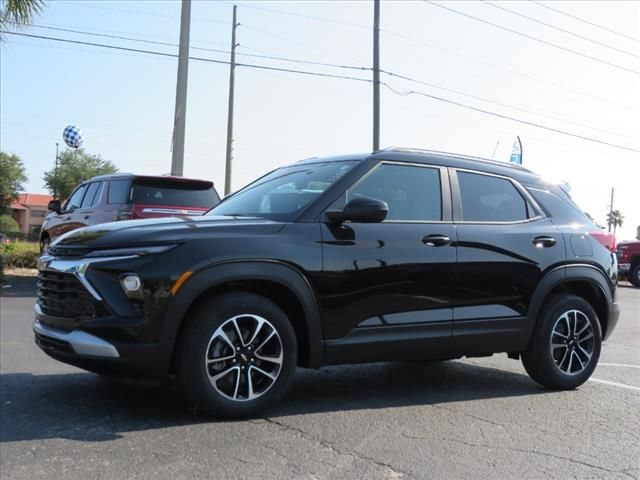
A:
(8, 224)
(19, 255)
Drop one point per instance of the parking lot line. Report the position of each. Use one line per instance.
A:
(618, 365)
(615, 384)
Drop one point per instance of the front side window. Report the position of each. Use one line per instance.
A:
(413, 193)
(75, 200)
(90, 195)
(284, 193)
(490, 199)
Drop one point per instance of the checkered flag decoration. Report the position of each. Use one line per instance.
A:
(72, 136)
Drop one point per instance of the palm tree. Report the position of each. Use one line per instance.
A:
(615, 218)
(19, 12)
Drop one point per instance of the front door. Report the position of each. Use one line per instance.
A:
(387, 288)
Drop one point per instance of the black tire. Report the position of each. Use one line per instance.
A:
(634, 275)
(198, 344)
(538, 360)
(44, 245)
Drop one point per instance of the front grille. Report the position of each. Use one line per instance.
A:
(62, 295)
(68, 251)
(48, 343)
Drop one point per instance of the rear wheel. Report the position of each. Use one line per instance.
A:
(634, 275)
(238, 355)
(565, 346)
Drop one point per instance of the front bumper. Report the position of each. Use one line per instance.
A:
(612, 319)
(623, 268)
(87, 350)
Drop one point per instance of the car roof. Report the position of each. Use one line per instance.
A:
(445, 159)
(127, 176)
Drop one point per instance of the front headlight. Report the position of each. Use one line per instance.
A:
(123, 252)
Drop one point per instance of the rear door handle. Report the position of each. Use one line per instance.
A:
(86, 217)
(435, 240)
(541, 242)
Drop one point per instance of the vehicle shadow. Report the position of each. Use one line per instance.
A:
(86, 407)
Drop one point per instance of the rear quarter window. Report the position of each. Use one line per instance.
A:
(118, 191)
(559, 209)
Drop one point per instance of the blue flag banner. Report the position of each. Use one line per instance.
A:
(516, 152)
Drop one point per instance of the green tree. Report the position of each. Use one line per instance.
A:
(19, 12)
(12, 179)
(74, 167)
(615, 219)
(8, 224)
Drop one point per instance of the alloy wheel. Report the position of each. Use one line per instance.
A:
(244, 357)
(572, 342)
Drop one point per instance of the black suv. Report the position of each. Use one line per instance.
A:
(399, 254)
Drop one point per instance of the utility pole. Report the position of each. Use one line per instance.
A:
(179, 122)
(376, 75)
(232, 80)
(55, 174)
(610, 210)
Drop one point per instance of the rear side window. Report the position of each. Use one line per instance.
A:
(118, 191)
(412, 193)
(174, 193)
(490, 199)
(90, 197)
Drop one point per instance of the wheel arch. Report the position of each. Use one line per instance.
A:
(583, 280)
(280, 282)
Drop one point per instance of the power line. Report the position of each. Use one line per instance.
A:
(531, 37)
(511, 71)
(308, 17)
(502, 104)
(200, 59)
(629, 37)
(352, 67)
(344, 77)
(154, 42)
(602, 44)
(507, 117)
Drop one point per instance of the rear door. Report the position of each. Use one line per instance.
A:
(505, 245)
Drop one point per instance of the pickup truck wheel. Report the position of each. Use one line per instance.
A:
(238, 355)
(565, 346)
(44, 245)
(634, 275)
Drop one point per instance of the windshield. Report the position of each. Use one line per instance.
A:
(283, 193)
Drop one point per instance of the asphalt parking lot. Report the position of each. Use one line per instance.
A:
(473, 418)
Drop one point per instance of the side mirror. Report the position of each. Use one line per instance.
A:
(360, 210)
(55, 206)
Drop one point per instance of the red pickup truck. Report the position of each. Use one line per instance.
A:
(628, 254)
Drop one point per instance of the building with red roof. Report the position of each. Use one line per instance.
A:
(29, 210)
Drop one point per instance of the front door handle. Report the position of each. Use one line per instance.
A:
(541, 242)
(435, 240)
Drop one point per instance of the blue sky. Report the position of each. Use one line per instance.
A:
(124, 101)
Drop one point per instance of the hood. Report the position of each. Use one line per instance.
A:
(164, 230)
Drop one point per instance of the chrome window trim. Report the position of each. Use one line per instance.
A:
(526, 196)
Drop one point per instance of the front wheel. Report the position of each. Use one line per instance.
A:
(565, 346)
(238, 355)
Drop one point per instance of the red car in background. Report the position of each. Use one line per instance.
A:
(124, 196)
